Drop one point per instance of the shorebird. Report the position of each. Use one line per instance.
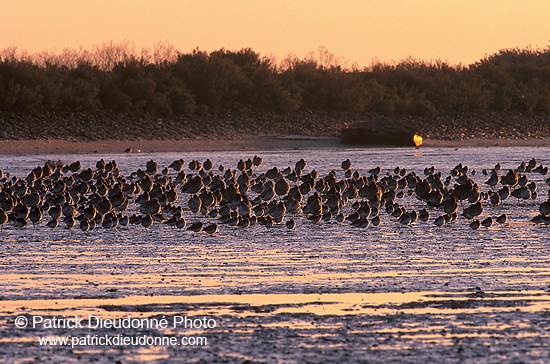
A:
(473, 210)
(290, 224)
(375, 171)
(487, 222)
(196, 227)
(474, 224)
(194, 204)
(544, 208)
(69, 222)
(35, 214)
(3, 217)
(207, 165)
(511, 178)
(177, 165)
(211, 228)
(439, 221)
(494, 198)
(195, 165)
(85, 225)
(424, 215)
(501, 219)
(257, 161)
(146, 221)
(347, 165)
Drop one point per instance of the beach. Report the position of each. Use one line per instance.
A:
(245, 144)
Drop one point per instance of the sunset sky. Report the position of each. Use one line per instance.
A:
(359, 31)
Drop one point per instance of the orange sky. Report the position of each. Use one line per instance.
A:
(358, 30)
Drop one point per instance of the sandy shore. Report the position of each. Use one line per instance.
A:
(250, 143)
(136, 146)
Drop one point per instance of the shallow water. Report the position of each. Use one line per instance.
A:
(425, 293)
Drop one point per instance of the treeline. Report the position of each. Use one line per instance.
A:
(166, 82)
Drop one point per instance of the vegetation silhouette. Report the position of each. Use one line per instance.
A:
(163, 81)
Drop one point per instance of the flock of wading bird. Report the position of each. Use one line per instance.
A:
(71, 196)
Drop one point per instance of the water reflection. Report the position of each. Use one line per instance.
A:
(417, 303)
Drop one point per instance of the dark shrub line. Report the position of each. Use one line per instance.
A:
(515, 80)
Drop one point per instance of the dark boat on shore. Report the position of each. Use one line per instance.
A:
(374, 134)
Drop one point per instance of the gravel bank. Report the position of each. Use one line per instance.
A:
(112, 126)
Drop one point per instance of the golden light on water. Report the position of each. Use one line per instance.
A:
(318, 304)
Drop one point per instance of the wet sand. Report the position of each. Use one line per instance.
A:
(317, 303)
(402, 295)
(248, 143)
(413, 328)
